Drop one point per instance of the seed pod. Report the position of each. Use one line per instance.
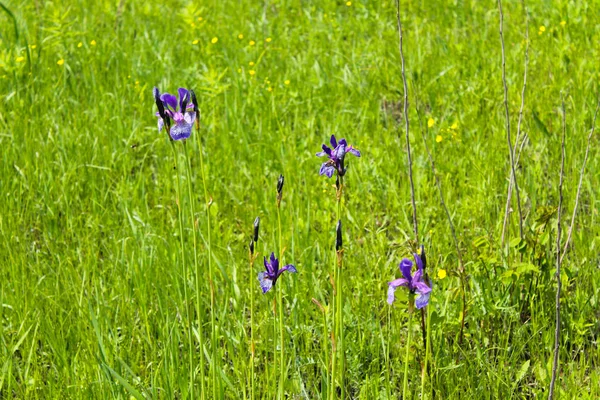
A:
(338, 239)
(159, 103)
(280, 182)
(251, 246)
(194, 101)
(256, 226)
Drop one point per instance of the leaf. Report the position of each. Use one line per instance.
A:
(523, 370)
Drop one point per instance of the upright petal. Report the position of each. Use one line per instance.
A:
(326, 151)
(343, 142)
(406, 268)
(339, 152)
(423, 257)
(274, 264)
(184, 98)
(417, 277)
(333, 141)
(169, 100)
(265, 283)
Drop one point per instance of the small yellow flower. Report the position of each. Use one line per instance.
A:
(287, 82)
(193, 25)
(438, 138)
(348, 3)
(137, 83)
(430, 122)
(214, 40)
(93, 42)
(542, 28)
(79, 44)
(33, 46)
(252, 72)
(442, 274)
(240, 36)
(270, 89)
(251, 63)
(239, 70)
(252, 43)
(60, 62)
(20, 59)
(195, 41)
(454, 125)
(200, 18)
(268, 40)
(563, 23)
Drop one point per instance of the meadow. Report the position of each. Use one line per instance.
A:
(125, 269)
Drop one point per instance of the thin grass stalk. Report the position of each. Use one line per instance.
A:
(581, 173)
(185, 270)
(406, 357)
(461, 266)
(508, 138)
(213, 335)
(280, 306)
(558, 258)
(511, 182)
(406, 120)
(252, 257)
(196, 266)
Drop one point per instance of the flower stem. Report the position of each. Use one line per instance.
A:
(340, 307)
(405, 384)
(196, 269)
(280, 306)
(213, 335)
(427, 351)
(185, 268)
(251, 329)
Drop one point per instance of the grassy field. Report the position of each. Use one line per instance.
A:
(99, 301)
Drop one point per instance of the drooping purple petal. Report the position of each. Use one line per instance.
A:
(326, 151)
(289, 268)
(327, 169)
(333, 141)
(161, 123)
(392, 286)
(422, 300)
(405, 268)
(181, 130)
(169, 100)
(421, 287)
(265, 283)
(353, 151)
(190, 117)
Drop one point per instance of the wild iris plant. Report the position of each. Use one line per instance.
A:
(179, 116)
(416, 286)
(253, 256)
(272, 272)
(335, 164)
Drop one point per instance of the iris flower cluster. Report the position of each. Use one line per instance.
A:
(181, 112)
(414, 283)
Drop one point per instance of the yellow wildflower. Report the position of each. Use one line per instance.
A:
(214, 40)
(252, 43)
(252, 72)
(441, 274)
(268, 40)
(438, 138)
(251, 63)
(60, 62)
(430, 122)
(240, 36)
(348, 3)
(79, 44)
(93, 42)
(195, 41)
(287, 82)
(20, 59)
(563, 23)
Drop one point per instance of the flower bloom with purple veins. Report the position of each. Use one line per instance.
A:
(180, 112)
(268, 278)
(414, 283)
(336, 157)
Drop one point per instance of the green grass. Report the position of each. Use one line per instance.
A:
(92, 287)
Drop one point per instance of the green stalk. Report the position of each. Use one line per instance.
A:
(427, 351)
(405, 384)
(196, 267)
(213, 335)
(340, 307)
(280, 305)
(251, 329)
(185, 269)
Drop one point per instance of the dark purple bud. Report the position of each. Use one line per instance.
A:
(423, 258)
(159, 103)
(280, 182)
(337, 182)
(338, 239)
(251, 246)
(256, 226)
(194, 102)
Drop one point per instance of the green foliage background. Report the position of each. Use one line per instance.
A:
(91, 284)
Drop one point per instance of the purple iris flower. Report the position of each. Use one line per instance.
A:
(414, 283)
(181, 113)
(268, 278)
(336, 157)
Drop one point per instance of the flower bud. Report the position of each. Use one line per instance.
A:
(256, 226)
(194, 102)
(159, 103)
(251, 246)
(338, 239)
(280, 182)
